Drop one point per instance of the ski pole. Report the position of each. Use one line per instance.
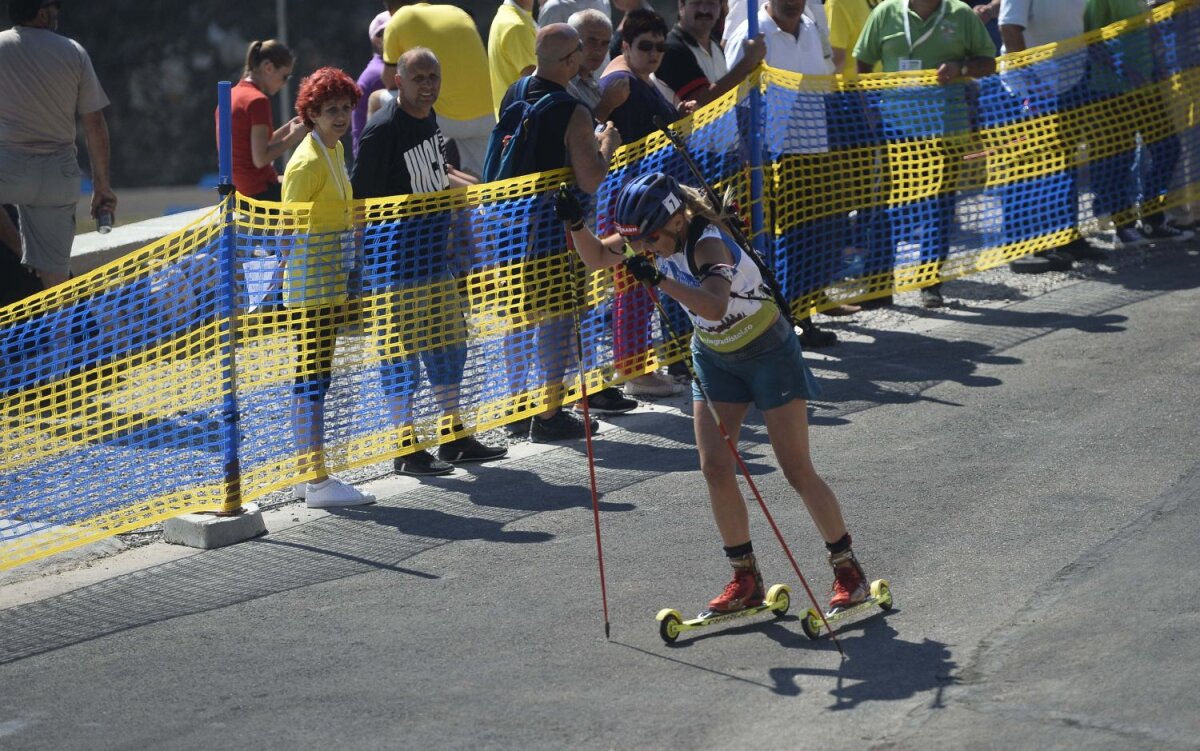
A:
(712, 411)
(587, 429)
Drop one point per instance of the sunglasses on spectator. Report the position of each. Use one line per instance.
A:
(648, 46)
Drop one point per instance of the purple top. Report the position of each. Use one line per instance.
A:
(371, 79)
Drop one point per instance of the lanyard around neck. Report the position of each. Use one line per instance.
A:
(333, 170)
(912, 46)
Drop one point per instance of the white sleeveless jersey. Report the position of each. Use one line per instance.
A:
(752, 308)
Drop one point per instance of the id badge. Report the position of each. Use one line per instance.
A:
(907, 63)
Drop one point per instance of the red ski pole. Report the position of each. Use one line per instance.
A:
(587, 435)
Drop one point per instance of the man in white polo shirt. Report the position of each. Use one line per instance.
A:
(798, 140)
(1038, 90)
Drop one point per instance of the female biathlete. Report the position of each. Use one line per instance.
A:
(743, 350)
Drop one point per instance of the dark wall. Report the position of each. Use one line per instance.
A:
(160, 63)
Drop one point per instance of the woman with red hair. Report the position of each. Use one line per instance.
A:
(316, 270)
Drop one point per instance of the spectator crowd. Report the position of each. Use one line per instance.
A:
(590, 75)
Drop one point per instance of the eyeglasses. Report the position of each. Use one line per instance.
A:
(655, 46)
(567, 56)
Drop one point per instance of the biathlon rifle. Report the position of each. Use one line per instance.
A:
(734, 227)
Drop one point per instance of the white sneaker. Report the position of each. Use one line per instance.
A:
(652, 384)
(334, 493)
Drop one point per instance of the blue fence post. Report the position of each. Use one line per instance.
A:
(757, 236)
(230, 416)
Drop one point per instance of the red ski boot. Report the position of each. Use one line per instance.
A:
(850, 585)
(745, 591)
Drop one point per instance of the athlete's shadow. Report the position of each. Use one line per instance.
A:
(878, 666)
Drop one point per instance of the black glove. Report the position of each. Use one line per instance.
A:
(567, 207)
(643, 269)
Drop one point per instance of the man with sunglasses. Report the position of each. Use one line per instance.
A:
(46, 79)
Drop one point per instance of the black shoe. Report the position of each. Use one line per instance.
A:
(519, 428)
(421, 463)
(1158, 232)
(610, 401)
(1082, 250)
(680, 369)
(931, 297)
(815, 338)
(469, 450)
(878, 302)
(1043, 262)
(563, 426)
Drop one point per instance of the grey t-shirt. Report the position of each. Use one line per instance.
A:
(46, 79)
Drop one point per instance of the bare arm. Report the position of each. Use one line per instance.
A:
(590, 152)
(1013, 37)
(389, 77)
(95, 130)
(973, 67)
(711, 299)
(839, 59)
(265, 148)
(597, 253)
(460, 179)
(754, 51)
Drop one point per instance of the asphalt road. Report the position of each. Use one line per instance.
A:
(1026, 477)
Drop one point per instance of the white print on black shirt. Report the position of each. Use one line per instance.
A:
(426, 168)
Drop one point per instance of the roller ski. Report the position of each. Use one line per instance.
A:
(742, 598)
(852, 595)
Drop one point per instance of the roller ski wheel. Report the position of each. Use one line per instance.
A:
(671, 624)
(880, 597)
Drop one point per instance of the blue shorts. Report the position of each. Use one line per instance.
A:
(769, 372)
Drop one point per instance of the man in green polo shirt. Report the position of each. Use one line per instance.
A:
(945, 36)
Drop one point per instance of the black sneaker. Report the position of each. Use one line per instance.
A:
(421, 463)
(931, 297)
(1082, 250)
(563, 426)
(469, 450)
(610, 401)
(680, 370)
(518, 428)
(1164, 232)
(815, 338)
(1128, 237)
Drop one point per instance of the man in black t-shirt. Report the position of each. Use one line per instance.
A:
(694, 63)
(402, 152)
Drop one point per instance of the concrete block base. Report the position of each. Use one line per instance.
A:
(207, 531)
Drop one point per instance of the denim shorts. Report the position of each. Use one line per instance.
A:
(769, 372)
